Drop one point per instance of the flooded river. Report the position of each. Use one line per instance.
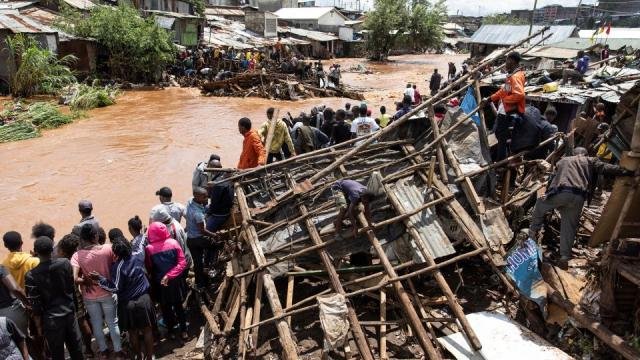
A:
(120, 155)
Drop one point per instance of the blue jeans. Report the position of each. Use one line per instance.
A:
(104, 309)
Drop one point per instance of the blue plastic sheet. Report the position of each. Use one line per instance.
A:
(522, 267)
(469, 103)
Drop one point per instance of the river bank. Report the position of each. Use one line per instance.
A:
(120, 155)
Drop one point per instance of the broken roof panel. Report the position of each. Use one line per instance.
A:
(10, 5)
(513, 34)
(309, 34)
(223, 11)
(81, 4)
(553, 52)
(22, 24)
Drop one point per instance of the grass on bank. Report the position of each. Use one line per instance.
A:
(23, 122)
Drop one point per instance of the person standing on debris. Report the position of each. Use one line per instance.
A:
(577, 71)
(363, 125)
(512, 103)
(175, 209)
(201, 177)
(199, 238)
(570, 185)
(281, 138)
(253, 153)
(604, 55)
(434, 82)
(348, 195)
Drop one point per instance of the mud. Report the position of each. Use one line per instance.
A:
(120, 155)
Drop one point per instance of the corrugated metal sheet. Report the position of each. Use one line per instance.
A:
(165, 22)
(552, 52)
(23, 24)
(512, 34)
(306, 13)
(309, 34)
(80, 4)
(223, 11)
(9, 5)
(583, 44)
(432, 236)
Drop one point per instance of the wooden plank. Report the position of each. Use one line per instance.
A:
(409, 311)
(289, 298)
(290, 351)
(469, 190)
(243, 314)
(439, 152)
(383, 327)
(440, 280)
(257, 306)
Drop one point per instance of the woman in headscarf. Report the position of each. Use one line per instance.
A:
(166, 262)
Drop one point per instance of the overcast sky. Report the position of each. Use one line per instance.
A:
(466, 7)
(484, 7)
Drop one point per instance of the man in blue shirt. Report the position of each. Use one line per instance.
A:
(199, 239)
(579, 69)
(348, 194)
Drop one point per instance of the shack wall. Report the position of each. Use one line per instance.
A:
(84, 50)
(7, 64)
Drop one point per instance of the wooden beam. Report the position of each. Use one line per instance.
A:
(469, 190)
(435, 127)
(409, 311)
(257, 306)
(291, 281)
(383, 327)
(289, 349)
(440, 280)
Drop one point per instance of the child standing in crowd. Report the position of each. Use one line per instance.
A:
(94, 257)
(135, 310)
(165, 262)
(50, 288)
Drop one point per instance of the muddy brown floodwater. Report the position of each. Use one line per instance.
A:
(120, 155)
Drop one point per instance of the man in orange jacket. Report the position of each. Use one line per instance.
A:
(512, 103)
(253, 153)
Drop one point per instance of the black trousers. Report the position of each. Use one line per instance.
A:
(172, 314)
(273, 157)
(61, 332)
(203, 253)
(503, 126)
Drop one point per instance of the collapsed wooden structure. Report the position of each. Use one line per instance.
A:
(285, 237)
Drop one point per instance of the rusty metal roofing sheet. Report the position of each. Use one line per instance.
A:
(512, 34)
(23, 24)
(223, 11)
(432, 236)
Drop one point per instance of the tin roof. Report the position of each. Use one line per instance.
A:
(309, 34)
(9, 5)
(22, 24)
(80, 4)
(306, 13)
(512, 34)
(552, 52)
(223, 11)
(583, 43)
(615, 33)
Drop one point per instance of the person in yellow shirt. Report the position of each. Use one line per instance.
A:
(384, 117)
(281, 139)
(17, 262)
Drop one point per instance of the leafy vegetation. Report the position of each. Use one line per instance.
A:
(25, 122)
(503, 19)
(85, 97)
(391, 19)
(138, 48)
(38, 70)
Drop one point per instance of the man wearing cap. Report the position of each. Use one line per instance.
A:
(85, 207)
(200, 177)
(176, 210)
(512, 103)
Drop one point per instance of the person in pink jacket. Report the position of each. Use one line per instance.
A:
(166, 263)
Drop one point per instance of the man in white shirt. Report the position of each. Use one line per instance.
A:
(409, 91)
(176, 210)
(363, 125)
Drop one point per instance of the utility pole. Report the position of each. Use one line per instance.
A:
(535, 5)
(575, 21)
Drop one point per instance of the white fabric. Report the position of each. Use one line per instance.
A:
(364, 126)
(375, 184)
(333, 319)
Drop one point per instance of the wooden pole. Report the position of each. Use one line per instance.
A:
(437, 275)
(291, 281)
(598, 329)
(383, 327)
(439, 154)
(403, 297)
(257, 305)
(289, 349)
(243, 314)
(468, 188)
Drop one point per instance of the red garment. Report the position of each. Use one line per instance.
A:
(417, 98)
(253, 153)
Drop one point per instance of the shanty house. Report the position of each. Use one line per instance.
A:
(312, 18)
(490, 37)
(323, 45)
(263, 23)
(186, 28)
(12, 24)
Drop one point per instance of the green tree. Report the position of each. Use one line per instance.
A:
(385, 24)
(503, 19)
(38, 70)
(425, 24)
(138, 48)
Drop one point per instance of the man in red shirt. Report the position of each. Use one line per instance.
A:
(511, 98)
(417, 97)
(253, 153)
